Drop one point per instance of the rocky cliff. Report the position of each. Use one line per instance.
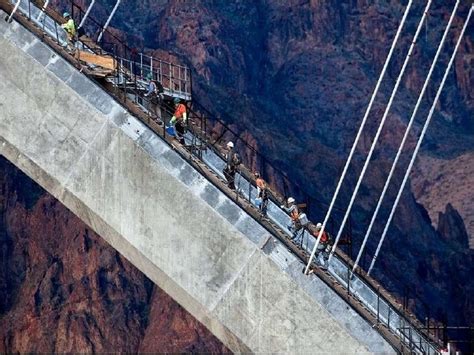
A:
(295, 77)
(63, 289)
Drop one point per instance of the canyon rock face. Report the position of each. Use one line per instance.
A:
(295, 77)
(438, 183)
(63, 289)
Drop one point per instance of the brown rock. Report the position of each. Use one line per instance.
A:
(63, 289)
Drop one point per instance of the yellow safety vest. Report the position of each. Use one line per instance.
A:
(70, 27)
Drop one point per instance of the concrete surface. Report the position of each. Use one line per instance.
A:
(155, 209)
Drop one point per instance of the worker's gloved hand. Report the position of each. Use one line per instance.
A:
(282, 206)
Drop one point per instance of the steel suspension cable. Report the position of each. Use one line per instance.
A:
(420, 139)
(402, 144)
(108, 20)
(379, 131)
(86, 15)
(356, 141)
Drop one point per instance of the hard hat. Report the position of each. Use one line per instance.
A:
(149, 76)
(230, 145)
(66, 14)
(257, 174)
(319, 225)
(291, 200)
(177, 100)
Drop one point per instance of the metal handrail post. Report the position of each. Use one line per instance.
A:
(185, 80)
(141, 64)
(410, 339)
(56, 30)
(348, 282)
(378, 305)
(14, 10)
(160, 75)
(171, 76)
(43, 9)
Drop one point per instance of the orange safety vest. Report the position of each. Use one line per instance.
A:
(324, 237)
(260, 183)
(180, 110)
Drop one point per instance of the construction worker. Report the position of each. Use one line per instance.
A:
(324, 246)
(262, 194)
(155, 93)
(179, 119)
(232, 162)
(70, 28)
(154, 88)
(293, 211)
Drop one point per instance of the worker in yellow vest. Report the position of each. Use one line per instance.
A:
(70, 28)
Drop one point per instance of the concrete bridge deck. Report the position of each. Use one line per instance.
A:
(166, 218)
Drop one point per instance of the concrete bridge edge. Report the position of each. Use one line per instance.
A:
(112, 237)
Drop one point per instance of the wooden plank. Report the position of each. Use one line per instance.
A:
(103, 61)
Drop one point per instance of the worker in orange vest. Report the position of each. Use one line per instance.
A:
(324, 246)
(179, 119)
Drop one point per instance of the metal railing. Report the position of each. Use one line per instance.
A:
(175, 78)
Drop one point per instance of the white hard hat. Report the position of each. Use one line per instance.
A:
(290, 200)
(230, 145)
(319, 225)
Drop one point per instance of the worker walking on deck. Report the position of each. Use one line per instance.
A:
(262, 194)
(154, 88)
(232, 162)
(70, 28)
(155, 94)
(179, 120)
(293, 211)
(324, 246)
